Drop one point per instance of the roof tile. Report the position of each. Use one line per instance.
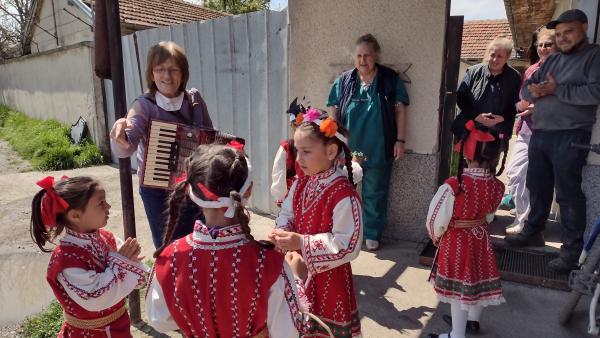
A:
(478, 34)
(157, 13)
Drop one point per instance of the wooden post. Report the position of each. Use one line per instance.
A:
(120, 103)
(451, 65)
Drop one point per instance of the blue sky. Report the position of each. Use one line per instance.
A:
(471, 9)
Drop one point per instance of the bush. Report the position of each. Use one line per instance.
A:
(45, 324)
(46, 143)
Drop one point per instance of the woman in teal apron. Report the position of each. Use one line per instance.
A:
(370, 100)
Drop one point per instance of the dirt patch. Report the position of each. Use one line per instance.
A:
(10, 331)
(10, 161)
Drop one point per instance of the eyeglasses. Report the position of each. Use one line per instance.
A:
(546, 45)
(162, 71)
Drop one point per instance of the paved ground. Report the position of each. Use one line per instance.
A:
(394, 297)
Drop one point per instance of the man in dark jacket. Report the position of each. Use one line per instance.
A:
(566, 93)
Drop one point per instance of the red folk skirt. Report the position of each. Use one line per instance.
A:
(465, 268)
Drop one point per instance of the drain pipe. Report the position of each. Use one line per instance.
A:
(82, 7)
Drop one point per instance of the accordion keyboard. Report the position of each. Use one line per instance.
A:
(161, 154)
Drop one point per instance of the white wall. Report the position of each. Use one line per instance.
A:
(69, 29)
(58, 84)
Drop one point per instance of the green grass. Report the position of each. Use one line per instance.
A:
(46, 144)
(45, 324)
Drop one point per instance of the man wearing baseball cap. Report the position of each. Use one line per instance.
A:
(566, 94)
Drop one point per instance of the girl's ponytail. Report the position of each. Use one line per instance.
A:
(348, 161)
(244, 219)
(505, 151)
(461, 160)
(37, 230)
(176, 199)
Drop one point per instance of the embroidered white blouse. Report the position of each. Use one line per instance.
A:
(441, 207)
(95, 291)
(346, 233)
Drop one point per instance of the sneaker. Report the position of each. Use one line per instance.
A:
(514, 229)
(372, 244)
(507, 203)
(521, 239)
(562, 266)
(472, 325)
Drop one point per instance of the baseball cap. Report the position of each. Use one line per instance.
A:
(568, 16)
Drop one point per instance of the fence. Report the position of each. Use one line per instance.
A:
(239, 64)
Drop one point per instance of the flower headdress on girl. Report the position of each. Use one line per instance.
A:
(327, 125)
(296, 112)
(470, 144)
(52, 204)
(299, 113)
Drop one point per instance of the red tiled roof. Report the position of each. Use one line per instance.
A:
(478, 34)
(163, 12)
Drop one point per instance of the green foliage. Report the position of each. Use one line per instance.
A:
(237, 6)
(455, 159)
(45, 324)
(46, 143)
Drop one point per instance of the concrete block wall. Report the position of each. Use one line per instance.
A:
(57, 84)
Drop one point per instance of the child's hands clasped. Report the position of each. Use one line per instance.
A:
(286, 240)
(131, 249)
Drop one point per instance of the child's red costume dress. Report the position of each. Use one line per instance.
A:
(90, 281)
(326, 210)
(465, 267)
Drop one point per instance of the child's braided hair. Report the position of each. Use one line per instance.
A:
(223, 171)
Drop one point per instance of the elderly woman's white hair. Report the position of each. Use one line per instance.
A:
(500, 42)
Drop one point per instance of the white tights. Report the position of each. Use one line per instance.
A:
(460, 317)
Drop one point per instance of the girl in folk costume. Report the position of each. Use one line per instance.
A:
(321, 219)
(285, 167)
(218, 281)
(465, 273)
(89, 273)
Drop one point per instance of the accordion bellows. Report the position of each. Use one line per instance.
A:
(169, 144)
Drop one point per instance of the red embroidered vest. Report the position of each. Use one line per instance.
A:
(218, 289)
(70, 256)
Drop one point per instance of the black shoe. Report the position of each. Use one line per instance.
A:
(561, 265)
(472, 325)
(522, 239)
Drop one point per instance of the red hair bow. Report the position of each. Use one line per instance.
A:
(475, 136)
(52, 204)
(181, 178)
(207, 193)
(237, 145)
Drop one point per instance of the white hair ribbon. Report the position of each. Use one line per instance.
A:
(224, 202)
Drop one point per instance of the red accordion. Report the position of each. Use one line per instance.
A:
(169, 144)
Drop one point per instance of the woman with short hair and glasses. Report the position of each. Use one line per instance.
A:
(517, 166)
(489, 91)
(166, 99)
